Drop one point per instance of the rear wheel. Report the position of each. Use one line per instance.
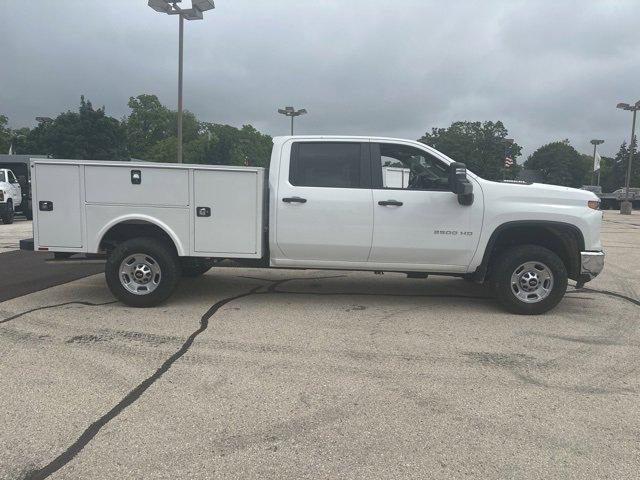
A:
(194, 267)
(529, 279)
(7, 217)
(142, 272)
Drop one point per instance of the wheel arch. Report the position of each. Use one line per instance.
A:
(564, 239)
(131, 226)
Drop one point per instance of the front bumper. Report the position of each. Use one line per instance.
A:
(591, 264)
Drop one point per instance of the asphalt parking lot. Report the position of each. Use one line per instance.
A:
(23, 272)
(309, 374)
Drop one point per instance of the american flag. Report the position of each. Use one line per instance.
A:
(508, 162)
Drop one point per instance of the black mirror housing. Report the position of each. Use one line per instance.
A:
(460, 184)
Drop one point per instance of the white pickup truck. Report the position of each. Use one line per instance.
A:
(10, 195)
(326, 204)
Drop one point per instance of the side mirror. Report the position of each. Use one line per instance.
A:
(460, 184)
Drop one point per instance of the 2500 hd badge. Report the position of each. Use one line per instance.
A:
(451, 232)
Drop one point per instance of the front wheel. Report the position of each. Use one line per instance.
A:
(142, 272)
(529, 279)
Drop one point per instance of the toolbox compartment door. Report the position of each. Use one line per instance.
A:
(227, 212)
(134, 185)
(57, 210)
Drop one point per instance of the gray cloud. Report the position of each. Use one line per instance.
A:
(550, 70)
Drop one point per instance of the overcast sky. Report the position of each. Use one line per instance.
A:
(548, 69)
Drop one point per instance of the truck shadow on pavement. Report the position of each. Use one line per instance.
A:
(268, 286)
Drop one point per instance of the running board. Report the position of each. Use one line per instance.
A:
(67, 260)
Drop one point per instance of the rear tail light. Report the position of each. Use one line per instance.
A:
(593, 204)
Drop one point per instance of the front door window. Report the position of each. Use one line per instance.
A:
(409, 168)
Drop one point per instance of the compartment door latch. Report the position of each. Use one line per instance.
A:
(136, 177)
(45, 206)
(203, 211)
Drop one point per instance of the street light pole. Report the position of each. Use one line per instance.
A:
(170, 7)
(292, 112)
(626, 206)
(180, 62)
(595, 143)
(632, 146)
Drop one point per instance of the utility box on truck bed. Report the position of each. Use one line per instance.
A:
(208, 211)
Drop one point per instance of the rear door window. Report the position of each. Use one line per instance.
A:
(328, 164)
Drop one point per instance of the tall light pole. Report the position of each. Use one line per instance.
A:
(625, 205)
(595, 143)
(292, 112)
(193, 13)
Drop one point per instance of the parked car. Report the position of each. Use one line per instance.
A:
(19, 165)
(10, 195)
(326, 205)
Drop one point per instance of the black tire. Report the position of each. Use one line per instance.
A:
(158, 254)
(505, 267)
(195, 267)
(7, 217)
(28, 214)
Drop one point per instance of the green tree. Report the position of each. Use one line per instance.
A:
(5, 134)
(20, 138)
(152, 135)
(232, 146)
(191, 127)
(152, 130)
(589, 177)
(482, 146)
(620, 165)
(149, 132)
(560, 164)
(88, 133)
(606, 174)
(216, 144)
(148, 123)
(15, 137)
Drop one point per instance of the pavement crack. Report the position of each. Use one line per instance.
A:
(92, 430)
(78, 302)
(611, 294)
(272, 288)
